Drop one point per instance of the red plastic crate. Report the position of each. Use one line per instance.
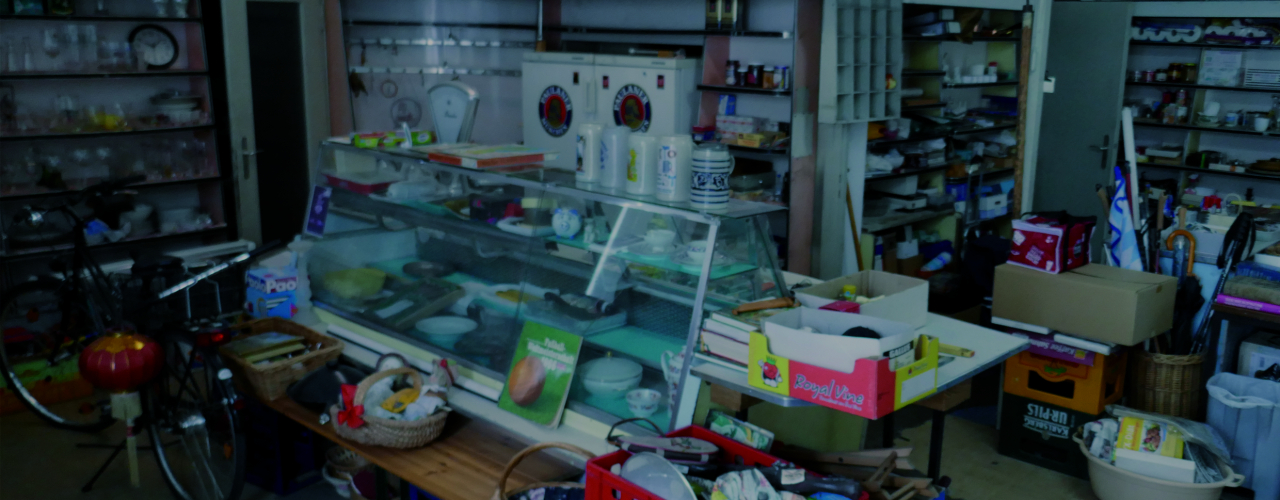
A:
(605, 485)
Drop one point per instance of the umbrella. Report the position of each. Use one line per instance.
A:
(1188, 301)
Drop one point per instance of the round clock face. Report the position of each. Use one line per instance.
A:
(154, 45)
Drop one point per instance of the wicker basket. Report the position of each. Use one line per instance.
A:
(501, 492)
(1168, 384)
(269, 382)
(345, 462)
(385, 432)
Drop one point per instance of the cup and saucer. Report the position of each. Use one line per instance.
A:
(657, 243)
(693, 255)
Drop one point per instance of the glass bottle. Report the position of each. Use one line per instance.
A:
(28, 58)
(71, 35)
(89, 47)
(1275, 111)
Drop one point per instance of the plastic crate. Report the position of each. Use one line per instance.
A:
(1039, 433)
(1075, 386)
(282, 456)
(604, 485)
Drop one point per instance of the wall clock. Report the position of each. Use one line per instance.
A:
(154, 45)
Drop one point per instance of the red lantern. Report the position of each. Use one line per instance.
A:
(120, 361)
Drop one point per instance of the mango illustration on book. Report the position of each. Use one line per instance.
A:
(541, 374)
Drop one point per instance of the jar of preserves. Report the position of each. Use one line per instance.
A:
(1175, 72)
(1162, 75)
(1191, 72)
(766, 78)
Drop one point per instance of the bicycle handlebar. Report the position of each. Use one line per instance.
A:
(190, 282)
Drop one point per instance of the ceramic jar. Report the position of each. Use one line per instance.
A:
(711, 166)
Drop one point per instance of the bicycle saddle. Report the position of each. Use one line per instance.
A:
(152, 263)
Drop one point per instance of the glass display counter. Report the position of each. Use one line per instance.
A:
(455, 260)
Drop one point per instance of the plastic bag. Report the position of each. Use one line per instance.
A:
(1192, 431)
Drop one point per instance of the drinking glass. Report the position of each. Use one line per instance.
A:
(71, 35)
(162, 8)
(51, 47)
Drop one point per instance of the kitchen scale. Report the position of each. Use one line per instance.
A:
(453, 106)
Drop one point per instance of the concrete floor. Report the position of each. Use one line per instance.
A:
(40, 462)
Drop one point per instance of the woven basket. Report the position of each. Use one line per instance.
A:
(501, 492)
(1168, 384)
(379, 431)
(345, 462)
(269, 382)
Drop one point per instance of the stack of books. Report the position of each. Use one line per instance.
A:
(727, 336)
(266, 347)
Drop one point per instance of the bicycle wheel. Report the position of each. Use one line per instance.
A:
(44, 330)
(195, 431)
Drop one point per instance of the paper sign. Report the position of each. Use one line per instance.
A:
(319, 210)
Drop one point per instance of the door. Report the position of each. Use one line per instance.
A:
(277, 86)
(1080, 122)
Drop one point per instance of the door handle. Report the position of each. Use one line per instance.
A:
(1106, 146)
(247, 154)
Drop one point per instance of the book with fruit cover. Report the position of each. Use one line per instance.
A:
(541, 374)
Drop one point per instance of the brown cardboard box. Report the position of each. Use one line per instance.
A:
(1095, 301)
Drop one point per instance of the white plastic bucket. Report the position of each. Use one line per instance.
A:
(1113, 483)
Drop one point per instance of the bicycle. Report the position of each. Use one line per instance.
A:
(189, 409)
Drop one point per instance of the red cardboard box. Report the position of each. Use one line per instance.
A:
(1052, 245)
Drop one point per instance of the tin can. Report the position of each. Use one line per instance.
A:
(1148, 76)
(779, 77)
(785, 83)
(1137, 75)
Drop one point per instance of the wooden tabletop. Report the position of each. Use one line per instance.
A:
(1247, 313)
(463, 464)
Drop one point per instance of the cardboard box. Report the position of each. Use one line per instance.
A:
(271, 292)
(869, 390)
(905, 299)
(1095, 301)
(815, 336)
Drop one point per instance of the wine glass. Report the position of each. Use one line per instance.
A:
(51, 47)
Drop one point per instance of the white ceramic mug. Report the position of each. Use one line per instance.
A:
(1261, 124)
(712, 165)
(697, 251)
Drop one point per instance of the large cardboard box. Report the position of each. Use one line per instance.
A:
(815, 336)
(906, 299)
(1096, 302)
(871, 389)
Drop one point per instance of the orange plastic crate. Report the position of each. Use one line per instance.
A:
(1075, 386)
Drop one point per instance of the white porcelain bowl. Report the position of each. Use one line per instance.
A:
(446, 331)
(611, 377)
(643, 402)
(611, 390)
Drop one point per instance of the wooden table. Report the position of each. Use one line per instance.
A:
(463, 464)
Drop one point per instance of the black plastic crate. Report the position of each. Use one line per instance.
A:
(1040, 434)
(283, 456)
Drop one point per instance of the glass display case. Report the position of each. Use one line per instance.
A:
(455, 260)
